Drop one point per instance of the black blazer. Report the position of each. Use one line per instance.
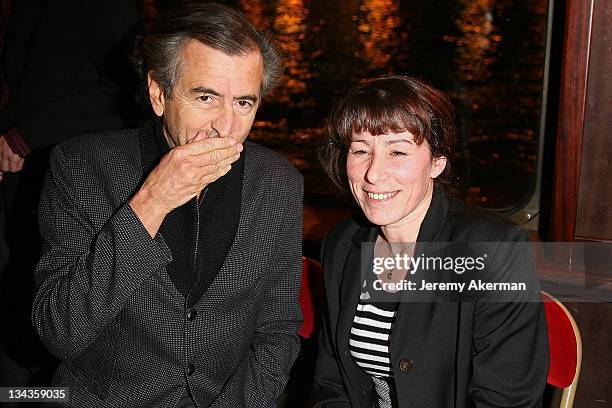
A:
(444, 354)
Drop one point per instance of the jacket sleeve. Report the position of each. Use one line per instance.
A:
(328, 387)
(85, 276)
(510, 341)
(275, 344)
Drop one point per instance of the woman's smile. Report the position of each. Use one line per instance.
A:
(381, 197)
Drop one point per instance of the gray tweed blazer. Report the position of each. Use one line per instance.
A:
(107, 308)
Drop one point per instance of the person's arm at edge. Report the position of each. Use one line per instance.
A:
(328, 387)
(511, 343)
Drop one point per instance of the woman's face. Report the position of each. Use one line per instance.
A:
(390, 175)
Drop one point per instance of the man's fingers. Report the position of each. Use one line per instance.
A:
(208, 145)
(15, 163)
(5, 164)
(215, 170)
(228, 161)
(215, 157)
(219, 161)
(212, 176)
(181, 173)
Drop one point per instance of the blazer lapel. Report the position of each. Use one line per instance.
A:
(434, 218)
(416, 313)
(355, 267)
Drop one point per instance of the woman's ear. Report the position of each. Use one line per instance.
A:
(438, 164)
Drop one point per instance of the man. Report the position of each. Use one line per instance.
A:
(171, 260)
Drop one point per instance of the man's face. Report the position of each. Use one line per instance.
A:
(215, 94)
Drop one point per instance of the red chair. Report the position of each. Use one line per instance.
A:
(310, 295)
(565, 346)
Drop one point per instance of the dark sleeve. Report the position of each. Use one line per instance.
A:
(510, 341)
(329, 390)
(85, 277)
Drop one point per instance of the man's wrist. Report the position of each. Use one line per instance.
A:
(149, 210)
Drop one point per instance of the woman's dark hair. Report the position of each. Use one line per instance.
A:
(214, 25)
(389, 104)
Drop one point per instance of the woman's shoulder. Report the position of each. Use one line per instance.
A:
(346, 229)
(339, 237)
(476, 223)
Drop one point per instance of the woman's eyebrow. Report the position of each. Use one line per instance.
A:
(395, 141)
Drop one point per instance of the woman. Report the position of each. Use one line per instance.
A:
(390, 140)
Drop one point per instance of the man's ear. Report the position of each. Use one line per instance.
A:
(438, 164)
(156, 96)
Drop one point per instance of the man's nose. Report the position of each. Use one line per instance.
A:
(224, 122)
(377, 169)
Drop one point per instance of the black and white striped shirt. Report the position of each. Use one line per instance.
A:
(369, 345)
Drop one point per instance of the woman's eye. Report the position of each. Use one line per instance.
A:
(398, 153)
(359, 152)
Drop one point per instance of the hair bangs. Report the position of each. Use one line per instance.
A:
(378, 112)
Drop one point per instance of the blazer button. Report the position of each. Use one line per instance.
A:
(192, 314)
(190, 369)
(406, 364)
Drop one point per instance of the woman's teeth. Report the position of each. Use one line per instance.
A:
(381, 196)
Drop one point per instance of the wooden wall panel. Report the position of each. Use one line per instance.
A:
(594, 212)
(582, 198)
(571, 118)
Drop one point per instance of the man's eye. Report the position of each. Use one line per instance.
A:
(245, 104)
(205, 98)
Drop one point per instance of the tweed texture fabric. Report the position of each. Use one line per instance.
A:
(107, 308)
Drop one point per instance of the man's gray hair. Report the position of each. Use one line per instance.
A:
(214, 25)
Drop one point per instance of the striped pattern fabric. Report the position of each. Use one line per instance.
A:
(369, 346)
(369, 339)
